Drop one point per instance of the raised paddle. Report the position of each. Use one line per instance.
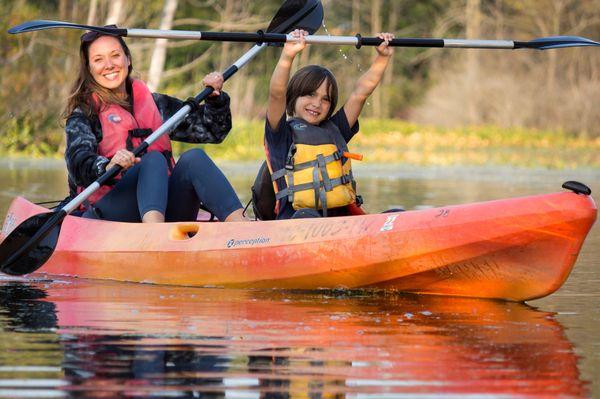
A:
(544, 43)
(31, 243)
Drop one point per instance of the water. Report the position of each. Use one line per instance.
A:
(77, 338)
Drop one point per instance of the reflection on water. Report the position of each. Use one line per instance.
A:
(92, 339)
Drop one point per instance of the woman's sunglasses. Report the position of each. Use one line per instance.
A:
(90, 36)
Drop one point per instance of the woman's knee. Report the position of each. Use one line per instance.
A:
(154, 158)
(194, 156)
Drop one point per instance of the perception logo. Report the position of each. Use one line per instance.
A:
(249, 241)
(114, 118)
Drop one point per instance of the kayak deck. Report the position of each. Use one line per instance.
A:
(513, 249)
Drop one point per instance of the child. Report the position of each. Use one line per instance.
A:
(307, 154)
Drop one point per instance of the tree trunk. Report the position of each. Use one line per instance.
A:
(157, 62)
(389, 72)
(226, 16)
(376, 27)
(91, 18)
(115, 12)
(473, 30)
(356, 16)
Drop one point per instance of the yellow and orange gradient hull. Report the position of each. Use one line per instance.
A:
(514, 249)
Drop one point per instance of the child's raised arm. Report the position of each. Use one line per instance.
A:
(369, 80)
(281, 76)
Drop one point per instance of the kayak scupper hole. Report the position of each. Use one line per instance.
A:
(183, 231)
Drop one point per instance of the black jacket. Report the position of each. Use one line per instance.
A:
(210, 124)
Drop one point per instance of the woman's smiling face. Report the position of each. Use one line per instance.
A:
(108, 63)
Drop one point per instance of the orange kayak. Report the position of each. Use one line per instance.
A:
(514, 249)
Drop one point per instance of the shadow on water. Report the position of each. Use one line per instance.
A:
(79, 338)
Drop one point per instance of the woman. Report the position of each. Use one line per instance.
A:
(109, 113)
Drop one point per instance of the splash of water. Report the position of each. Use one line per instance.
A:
(343, 54)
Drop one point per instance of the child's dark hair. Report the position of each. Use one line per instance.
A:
(306, 81)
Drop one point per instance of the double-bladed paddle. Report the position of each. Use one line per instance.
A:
(544, 43)
(31, 243)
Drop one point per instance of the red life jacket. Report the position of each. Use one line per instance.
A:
(121, 129)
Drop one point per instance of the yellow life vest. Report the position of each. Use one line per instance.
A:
(318, 172)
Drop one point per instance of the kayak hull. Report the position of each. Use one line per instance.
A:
(514, 249)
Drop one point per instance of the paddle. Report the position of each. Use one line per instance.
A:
(275, 37)
(31, 243)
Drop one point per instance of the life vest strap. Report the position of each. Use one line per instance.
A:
(138, 134)
(344, 179)
(278, 174)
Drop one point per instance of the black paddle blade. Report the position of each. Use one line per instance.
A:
(30, 244)
(547, 43)
(297, 14)
(42, 24)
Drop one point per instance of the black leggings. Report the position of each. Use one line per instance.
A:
(147, 187)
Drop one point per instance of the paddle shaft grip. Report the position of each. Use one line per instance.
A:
(257, 37)
(401, 42)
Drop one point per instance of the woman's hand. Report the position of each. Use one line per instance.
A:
(124, 158)
(384, 49)
(293, 48)
(214, 80)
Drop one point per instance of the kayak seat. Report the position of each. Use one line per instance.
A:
(263, 195)
(393, 210)
(306, 213)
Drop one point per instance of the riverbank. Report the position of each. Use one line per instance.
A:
(399, 142)
(394, 141)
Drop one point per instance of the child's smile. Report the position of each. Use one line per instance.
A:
(313, 107)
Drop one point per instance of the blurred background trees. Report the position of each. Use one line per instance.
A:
(557, 89)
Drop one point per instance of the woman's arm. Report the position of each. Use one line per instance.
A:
(81, 155)
(367, 83)
(280, 78)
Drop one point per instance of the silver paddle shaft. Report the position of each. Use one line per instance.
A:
(314, 39)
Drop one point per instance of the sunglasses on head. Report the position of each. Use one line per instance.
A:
(90, 36)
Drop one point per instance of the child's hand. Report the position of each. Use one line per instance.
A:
(293, 48)
(384, 49)
(214, 80)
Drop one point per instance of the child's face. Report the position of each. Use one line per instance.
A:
(313, 107)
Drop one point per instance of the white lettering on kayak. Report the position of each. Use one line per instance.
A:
(249, 241)
(389, 223)
(9, 224)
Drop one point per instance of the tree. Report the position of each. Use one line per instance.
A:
(157, 62)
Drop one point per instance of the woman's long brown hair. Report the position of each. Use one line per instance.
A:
(85, 85)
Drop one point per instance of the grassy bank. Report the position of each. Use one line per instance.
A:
(394, 141)
(386, 141)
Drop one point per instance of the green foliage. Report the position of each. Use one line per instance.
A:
(29, 135)
(37, 69)
(394, 141)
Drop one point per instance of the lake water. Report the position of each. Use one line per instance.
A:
(78, 338)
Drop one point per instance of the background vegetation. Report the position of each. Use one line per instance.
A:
(433, 101)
